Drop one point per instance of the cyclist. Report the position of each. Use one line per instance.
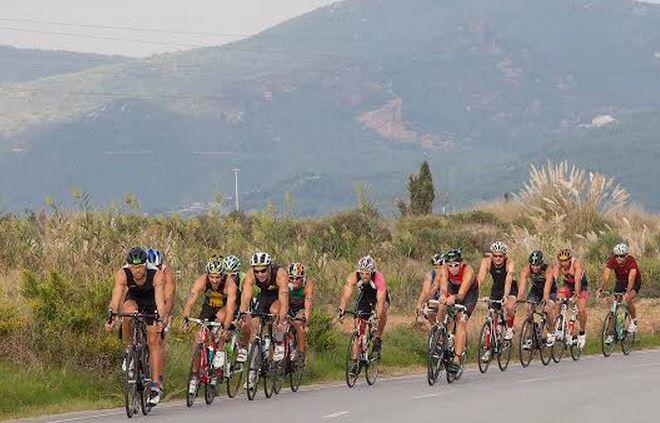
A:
(219, 291)
(273, 297)
(157, 258)
(458, 285)
(301, 291)
(145, 293)
(543, 287)
(437, 260)
(372, 295)
(628, 280)
(232, 266)
(502, 271)
(574, 284)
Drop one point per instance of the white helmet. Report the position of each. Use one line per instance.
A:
(260, 259)
(620, 249)
(366, 264)
(498, 247)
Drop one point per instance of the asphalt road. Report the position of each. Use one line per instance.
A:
(595, 389)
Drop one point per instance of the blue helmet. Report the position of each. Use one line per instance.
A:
(155, 257)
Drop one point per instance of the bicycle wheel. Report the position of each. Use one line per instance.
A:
(296, 373)
(196, 360)
(608, 332)
(352, 365)
(373, 365)
(280, 373)
(576, 351)
(210, 388)
(130, 386)
(144, 376)
(628, 339)
(526, 346)
(545, 352)
(434, 356)
(268, 370)
(254, 369)
(504, 352)
(558, 347)
(235, 376)
(485, 347)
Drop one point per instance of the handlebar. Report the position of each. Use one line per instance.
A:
(204, 322)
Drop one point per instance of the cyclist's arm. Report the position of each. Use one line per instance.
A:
(118, 290)
(510, 274)
(282, 280)
(522, 282)
(170, 290)
(466, 283)
(579, 272)
(309, 296)
(159, 294)
(425, 293)
(604, 277)
(443, 282)
(631, 279)
(483, 270)
(195, 292)
(547, 288)
(246, 293)
(381, 296)
(231, 291)
(351, 280)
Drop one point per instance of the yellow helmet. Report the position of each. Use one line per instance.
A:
(564, 254)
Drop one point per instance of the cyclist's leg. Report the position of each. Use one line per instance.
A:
(220, 317)
(470, 302)
(510, 305)
(382, 322)
(582, 310)
(301, 333)
(155, 351)
(129, 306)
(631, 300)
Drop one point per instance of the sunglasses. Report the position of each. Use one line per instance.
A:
(498, 256)
(296, 278)
(259, 271)
(138, 266)
(453, 264)
(621, 255)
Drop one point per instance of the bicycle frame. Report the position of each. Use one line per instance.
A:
(567, 330)
(496, 321)
(208, 339)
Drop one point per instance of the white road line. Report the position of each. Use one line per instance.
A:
(98, 416)
(427, 395)
(533, 380)
(334, 415)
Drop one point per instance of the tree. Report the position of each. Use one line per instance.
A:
(421, 191)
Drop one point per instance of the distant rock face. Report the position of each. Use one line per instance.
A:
(601, 121)
(388, 122)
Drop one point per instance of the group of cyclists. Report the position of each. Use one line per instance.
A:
(145, 284)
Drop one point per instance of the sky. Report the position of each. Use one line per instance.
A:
(156, 26)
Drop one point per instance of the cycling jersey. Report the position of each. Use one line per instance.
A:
(214, 299)
(144, 294)
(499, 278)
(622, 271)
(268, 291)
(367, 292)
(296, 299)
(538, 285)
(568, 288)
(455, 282)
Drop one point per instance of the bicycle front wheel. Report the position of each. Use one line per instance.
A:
(235, 376)
(607, 339)
(130, 386)
(144, 375)
(352, 369)
(485, 347)
(434, 358)
(191, 394)
(371, 372)
(545, 352)
(269, 369)
(628, 339)
(558, 347)
(526, 346)
(254, 368)
(504, 352)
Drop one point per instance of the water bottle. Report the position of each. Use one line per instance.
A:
(219, 360)
(210, 354)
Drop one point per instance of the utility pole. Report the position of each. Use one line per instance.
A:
(236, 170)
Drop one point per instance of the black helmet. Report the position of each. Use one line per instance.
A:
(454, 254)
(536, 258)
(137, 256)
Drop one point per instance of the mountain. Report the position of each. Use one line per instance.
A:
(356, 92)
(21, 65)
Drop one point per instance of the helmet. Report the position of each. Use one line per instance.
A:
(366, 264)
(620, 249)
(437, 259)
(231, 264)
(498, 247)
(454, 254)
(536, 258)
(564, 254)
(136, 255)
(260, 259)
(155, 257)
(215, 265)
(296, 270)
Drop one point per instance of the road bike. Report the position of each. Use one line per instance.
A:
(491, 339)
(532, 336)
(615, 327)
(361, 352)
(441, 348)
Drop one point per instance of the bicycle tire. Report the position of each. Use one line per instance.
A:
(504, 353)
(196, 358)
(279, 374)
(254, 369)
(558, 348)
(350, 362)
(373, 366)
(145, 375)
(485, 346)
(526, 339)
(296, 374)
(434, 356)
(608, 321)
(130, 386)
(268, 370)
(545, 352)
(233, 381)
(628, 339)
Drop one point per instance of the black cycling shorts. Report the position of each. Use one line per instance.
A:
(470, 300)
(366, 304)
(621, 286)
(497, 292)
(146, 306)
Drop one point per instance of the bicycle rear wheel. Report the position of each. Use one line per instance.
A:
(485, 347)
(628, 339)
(196, 360)
(269, 368)
(144, 376)
(254, 368)
(352, 369)
(608, 332)
(373, 365)
(130, 386)
(526, 346)
(558, 347)
(279, 373)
